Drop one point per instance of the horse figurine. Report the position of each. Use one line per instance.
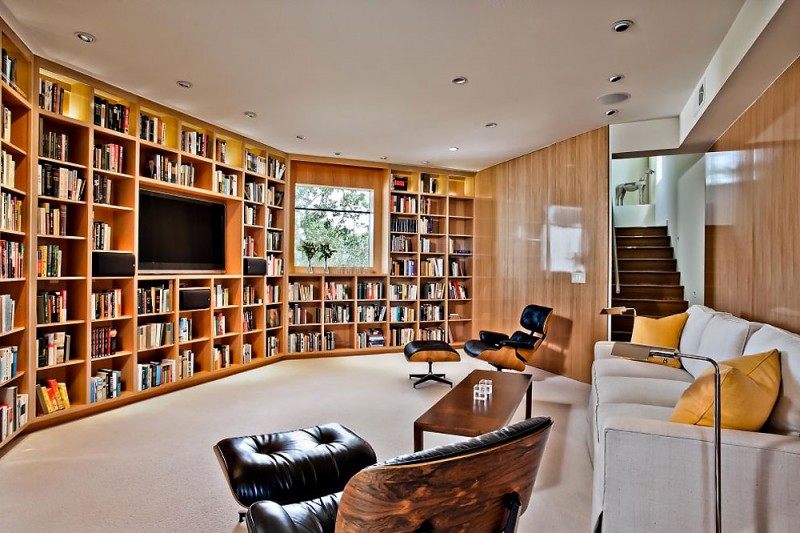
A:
(640, 185)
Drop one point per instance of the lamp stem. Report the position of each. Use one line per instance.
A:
(717, 446)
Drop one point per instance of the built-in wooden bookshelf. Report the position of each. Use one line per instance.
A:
(82, 150)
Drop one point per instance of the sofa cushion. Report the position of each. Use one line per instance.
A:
(785, 416)
(748, 388)
(645, 391)
(638, 369)
(723, 338)
(633, 410)
(699, 317)
(663, 332)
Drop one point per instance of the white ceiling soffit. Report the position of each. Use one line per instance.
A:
(371, 78)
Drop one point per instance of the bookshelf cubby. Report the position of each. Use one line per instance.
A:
(76, 152)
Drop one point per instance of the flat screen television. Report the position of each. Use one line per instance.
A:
(180, 234)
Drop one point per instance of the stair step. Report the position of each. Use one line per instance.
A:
(641, 231)
(632, 277)
(650, 292)
(621, 336)
(656, 308)
(651, 265)
(643, 240)
(645, 252)
(624, 323)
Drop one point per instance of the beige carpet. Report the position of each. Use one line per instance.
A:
(150, 466)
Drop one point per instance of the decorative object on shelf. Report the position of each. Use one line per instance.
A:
(325, 251)
(309, 250)
(650, 354)
(631, 186)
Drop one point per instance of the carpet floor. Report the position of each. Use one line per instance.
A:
(150, 466)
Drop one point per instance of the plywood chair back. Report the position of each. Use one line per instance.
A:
(459, 487)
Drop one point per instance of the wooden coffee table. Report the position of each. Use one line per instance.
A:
(458, 414)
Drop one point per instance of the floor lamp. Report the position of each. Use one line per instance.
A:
(652, 354)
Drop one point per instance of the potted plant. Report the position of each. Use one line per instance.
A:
(325, 252)
(309, 250)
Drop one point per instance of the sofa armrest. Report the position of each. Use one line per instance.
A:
(661, 473)
(602, 349)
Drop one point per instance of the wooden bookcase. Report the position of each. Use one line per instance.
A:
(115, 340)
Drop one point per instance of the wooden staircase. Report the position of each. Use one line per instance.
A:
(648, 276)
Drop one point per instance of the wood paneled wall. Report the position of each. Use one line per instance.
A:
(753, 211)
(538, 218)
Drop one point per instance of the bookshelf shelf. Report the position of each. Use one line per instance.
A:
(61, 237)
(59, 163)
(60, 324)
(112, 207)
(112, 174)
(112, 319)
(14, 149)
(71, 362)
(12, 280)
(112, 356)
(12, 379)
(13, 94)
(155, 348)
(12, 232)
(13, 190)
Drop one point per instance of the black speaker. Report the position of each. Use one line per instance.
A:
(191, 299)
(254, 266)
(113, 264)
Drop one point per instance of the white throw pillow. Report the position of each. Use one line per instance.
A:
(723, 338)
(785, 416)
(699, 317)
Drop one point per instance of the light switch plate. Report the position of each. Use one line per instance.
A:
(579, 277)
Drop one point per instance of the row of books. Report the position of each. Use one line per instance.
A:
(427, 245)
(432, 334)
(8, 169)
(432, 266)
(431, 312)
(221, 356)
(404, 204)
(458, 268)
(458, 291)
(111, 115)
(429, 225)
(401, 243)
(247, 353)
(101, 232)
(273, 345)
(103, 342)
(153, 299)
(273, 241)
(429, 184)
(9, 358)
(303, 315)
(300, 293)
(274, 265)
(12, 259)
(403, 313)
(221, 150)
(13, 411)
(195, 143)
(101, 192)
(401, 336)
(109, 157)
(53, 396)
(266, 166)
(161, 168)
(8, 69)
(403, 267)
(336, 291)
(404, 225)
(5, 132)
(104, 385)
(53, 145)
(371, 313)
(369, 290)
(184, 328)
(226, 183)
(155, 374)
(155, 335)
(52, 219)
(248, 320)
(11, 207)
(254, 192)
(53, 349)
(305, 342)
(48, 261)
(272, 293)
(273, 317)
(218, 324)
(152, 129)
(402, 291)
(274, 197)
(51, 307)
(7, 309)
(106, 304)
(59, 182)
(371, 338)
(249, 296)
(221, 296)
(338, 314)
(433, 291)
(249, 246)
(51, 96)
(250, 215)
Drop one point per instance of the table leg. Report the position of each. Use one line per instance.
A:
(528, 399)
(417, 439)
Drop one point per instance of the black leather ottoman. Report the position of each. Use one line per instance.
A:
(292, 466)
(430, 352)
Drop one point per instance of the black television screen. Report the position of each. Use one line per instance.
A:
(179, 234)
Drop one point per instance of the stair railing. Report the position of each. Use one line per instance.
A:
(614, 257)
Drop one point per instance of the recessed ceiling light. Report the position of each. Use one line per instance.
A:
(299, 137)
(384, 158)
(185, 84)
(453, 148)
(622, 25)
(250, 114)
(337, 153)
(615, 78)
(426, 162)
(613, 98)
(491, 125)
(85, 37)
(611, 112)
(460, 80)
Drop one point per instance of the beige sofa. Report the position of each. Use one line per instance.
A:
(652, 475)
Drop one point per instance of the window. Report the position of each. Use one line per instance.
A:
(339, 216)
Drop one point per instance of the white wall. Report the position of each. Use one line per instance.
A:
(681, 206)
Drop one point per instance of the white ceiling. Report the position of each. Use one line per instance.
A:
(371, 78)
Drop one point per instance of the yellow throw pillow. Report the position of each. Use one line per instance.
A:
(749, 387)
(664, 332)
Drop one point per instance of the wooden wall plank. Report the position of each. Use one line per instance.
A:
(542, 216)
